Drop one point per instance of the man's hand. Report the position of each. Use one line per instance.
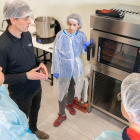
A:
(44, 69)
(33, 75)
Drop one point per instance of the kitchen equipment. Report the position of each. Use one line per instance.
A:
(2, 26)
(114, 54)
(46, 29)
(84, 94)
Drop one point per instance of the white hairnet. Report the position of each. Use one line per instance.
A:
(16, 9)
(130, 94)
(77, 18)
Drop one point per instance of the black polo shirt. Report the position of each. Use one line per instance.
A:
(16, 58)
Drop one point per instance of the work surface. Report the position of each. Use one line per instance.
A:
(45, 47)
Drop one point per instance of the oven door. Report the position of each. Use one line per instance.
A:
(115, 56)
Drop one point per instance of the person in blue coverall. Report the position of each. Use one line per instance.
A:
(67, 67)
(130, 108)
(13, 122)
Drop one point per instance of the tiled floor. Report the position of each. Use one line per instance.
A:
(79, 127)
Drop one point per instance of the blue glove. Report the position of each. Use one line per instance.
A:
(85, 45)
(29, 131)
(56, 75)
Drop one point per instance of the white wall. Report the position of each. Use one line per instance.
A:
(60, 9)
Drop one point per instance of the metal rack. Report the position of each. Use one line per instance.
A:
(103, 92)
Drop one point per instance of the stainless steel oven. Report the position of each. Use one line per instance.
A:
(113, 54)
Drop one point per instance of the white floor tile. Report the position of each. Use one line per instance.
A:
(48, 106)
(90, 125)
(112, 124)
(42, 116)
(46, 87)
(115, 125)
(78, 127)
(49, 103)
(74, 135)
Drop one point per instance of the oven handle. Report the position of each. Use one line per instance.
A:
(91, 46)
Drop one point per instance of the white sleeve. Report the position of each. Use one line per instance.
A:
(84, 39)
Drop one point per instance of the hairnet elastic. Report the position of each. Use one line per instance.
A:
(73, 20)
(130, 94)
(77, 18)
(16, 9)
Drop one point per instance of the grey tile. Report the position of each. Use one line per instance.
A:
(46, 87)
(55, 133)
(74, 135)
(115, 125)
(101, 114)
(90, 125)
(112, 124)
(42, 116)
(48, 103)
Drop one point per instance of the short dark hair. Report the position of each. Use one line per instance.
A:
(9, 22)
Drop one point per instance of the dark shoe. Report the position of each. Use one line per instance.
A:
(70, 108)
(41, 134)
(60, 119)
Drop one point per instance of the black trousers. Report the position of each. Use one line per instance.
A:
(30, 106)
(70, 96)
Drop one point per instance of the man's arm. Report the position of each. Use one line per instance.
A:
(38, 61)
(21, 77)
(10, 78)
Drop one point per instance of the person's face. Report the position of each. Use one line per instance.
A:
(124, 113)
(1, 77)
(73, 26)
(22, 24)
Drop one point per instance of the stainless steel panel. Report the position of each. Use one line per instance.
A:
(110, 114)
(107, 102)
(105, 69)
(91, 88)
(129, 27)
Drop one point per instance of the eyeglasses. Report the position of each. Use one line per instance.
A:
(119, 96)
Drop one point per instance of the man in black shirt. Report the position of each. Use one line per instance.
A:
(20, 64)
